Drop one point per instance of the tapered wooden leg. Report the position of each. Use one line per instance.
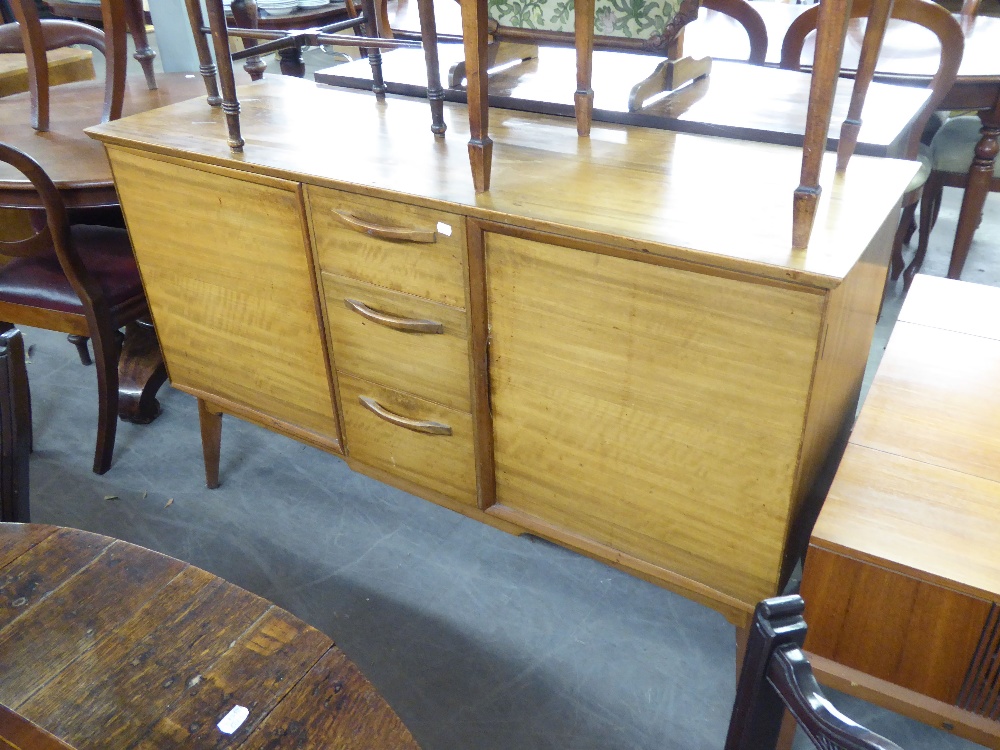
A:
(742, 638)
(978, 186)
(291, 62)
(474, 25)
(428, 37)
(870, 47)
(143, 52)
(115, 58)
(211, 441)
(80, 342)
(374, 54)
(106, 355)
(206, 66)
(833, 17)
(220, 40)
(583, 99)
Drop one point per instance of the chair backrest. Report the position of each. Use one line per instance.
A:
(34, 37)
(649, 26)
(19, 733)
(54, 236)
(776, 676)
(924, 13)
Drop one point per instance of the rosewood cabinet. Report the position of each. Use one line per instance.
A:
(603, 351)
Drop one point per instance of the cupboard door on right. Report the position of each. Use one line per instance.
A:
(649, 410)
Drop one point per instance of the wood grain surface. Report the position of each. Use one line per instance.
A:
(645, 189)
(656, 411)
(228, 273)
(163, 671)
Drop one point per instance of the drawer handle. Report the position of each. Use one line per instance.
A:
(428, 428)
(407, 325)
(386, 233)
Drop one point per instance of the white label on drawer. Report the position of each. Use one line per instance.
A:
(232, 721)
(444, 229)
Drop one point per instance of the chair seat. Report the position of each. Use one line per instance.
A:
(40, 281)
(954, 145)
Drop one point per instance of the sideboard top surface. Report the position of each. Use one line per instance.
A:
(707, 200)
(918, 489)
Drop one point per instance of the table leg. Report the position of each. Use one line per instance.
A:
(291, 63)
(247, 16)
(980, 177)
(474, 18)
(830, 34)
(141, 372)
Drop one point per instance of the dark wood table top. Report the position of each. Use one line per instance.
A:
(76, 163)
(736, 100)
(109, 645)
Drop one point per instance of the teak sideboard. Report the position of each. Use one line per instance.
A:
(615, 348)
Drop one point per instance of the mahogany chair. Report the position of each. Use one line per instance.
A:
(35, 37)
(933, 17)
(18, 733)
(15, 429)
(960, 157)
(79, 279)
(776, 677)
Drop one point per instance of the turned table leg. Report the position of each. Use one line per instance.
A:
(141, 372)
(976, 190)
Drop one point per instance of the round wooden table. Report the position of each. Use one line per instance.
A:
(107, 645)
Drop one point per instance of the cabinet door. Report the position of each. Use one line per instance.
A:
(228, 272)
(650, 411)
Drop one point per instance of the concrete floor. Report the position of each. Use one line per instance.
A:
(479, 640)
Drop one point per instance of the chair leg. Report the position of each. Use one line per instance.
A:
(905, 219)
(144, 54)
(15, 427)
(80, 342)
(107, 352)
(211, 441)
(374, 53)
(929, 204)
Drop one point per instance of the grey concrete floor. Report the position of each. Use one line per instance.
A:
(478, 639)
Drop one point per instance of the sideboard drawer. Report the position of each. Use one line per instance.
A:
(406, 248)
(408, 437)
(399, 340)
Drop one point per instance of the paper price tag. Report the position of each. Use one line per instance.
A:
(234, 719)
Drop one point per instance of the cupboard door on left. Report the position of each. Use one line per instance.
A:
(227, 268)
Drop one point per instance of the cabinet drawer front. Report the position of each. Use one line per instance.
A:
(402, 247)
(387, 337)
(421, 454)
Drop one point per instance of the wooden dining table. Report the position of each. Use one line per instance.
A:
(79, 167)
(109, 645)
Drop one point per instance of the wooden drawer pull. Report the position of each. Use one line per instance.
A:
(386, 233)
(408, 325)
(428, 428)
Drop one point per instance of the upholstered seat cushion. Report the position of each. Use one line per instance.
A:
(954, 145)
(40, 281)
